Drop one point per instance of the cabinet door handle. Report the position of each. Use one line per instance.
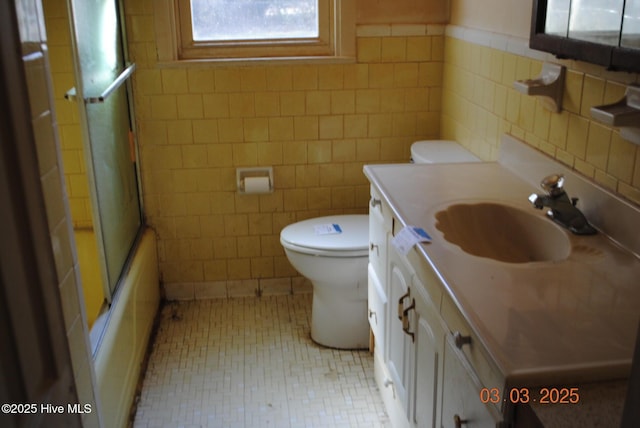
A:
(461, 340)
(400, 305)
(458, 421)
(375, 202)
(373, 246)
(405, 320)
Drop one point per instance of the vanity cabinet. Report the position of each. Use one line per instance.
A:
(401, 315)
(379, 227)
(389, 280)
(379, 215)
(461, 405)
(429, 342)
(377, 301)
(413, 362)
(422, 380)
(488, 336)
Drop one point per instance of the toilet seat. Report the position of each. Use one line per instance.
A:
(316, 236)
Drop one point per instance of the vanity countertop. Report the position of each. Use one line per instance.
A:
(601, 405)
(543, 323)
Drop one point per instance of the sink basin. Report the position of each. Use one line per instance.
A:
(501, 232)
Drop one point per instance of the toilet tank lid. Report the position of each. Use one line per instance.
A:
(440, 151)
(333, 233)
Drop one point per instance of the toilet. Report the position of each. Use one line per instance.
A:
(333, 252)
(440, 151)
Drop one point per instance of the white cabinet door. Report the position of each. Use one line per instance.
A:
(429, 343)
(377, 290)
(461, 405)
(377, 301)
(378, 229)
(400, 345)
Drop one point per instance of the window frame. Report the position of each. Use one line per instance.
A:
(175, 42)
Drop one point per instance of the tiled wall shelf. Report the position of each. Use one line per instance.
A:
(624, 114)
(549, 85)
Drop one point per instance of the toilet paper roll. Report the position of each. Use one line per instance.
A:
(256, 185)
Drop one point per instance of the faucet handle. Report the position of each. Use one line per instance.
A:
(553, 184)
(535, 199)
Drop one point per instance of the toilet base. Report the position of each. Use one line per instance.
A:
(340, 321)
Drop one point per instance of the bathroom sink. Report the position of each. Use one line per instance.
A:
(502, 232)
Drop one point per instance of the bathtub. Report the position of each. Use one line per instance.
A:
(123, 344)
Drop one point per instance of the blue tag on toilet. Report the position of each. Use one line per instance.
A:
(327, 229)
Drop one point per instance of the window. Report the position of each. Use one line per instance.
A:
(255, 29)
(217, 20)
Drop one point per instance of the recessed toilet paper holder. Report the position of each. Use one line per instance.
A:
(255, 179)
(549, 84)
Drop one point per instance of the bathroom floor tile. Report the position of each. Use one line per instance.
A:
(249, 362)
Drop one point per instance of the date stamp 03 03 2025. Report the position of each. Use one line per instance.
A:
(26, 408)
(542, 395)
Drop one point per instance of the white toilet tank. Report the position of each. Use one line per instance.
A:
(440, 151)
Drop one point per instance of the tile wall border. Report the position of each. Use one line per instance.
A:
(520, 46)
(400, 30)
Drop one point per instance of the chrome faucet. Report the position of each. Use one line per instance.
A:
(562, 210)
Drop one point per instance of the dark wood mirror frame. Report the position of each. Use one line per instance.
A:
(611, 57)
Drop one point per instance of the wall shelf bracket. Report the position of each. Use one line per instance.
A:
(549, 85)
(624, 114)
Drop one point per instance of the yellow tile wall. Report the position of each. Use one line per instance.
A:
(72, 152)
(75, 171)
(37, 60)
(316, 124)
(480, 104)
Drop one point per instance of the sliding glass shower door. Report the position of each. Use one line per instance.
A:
(102, 88)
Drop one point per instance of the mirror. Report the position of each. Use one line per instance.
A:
(604, 32)
(631, 24)
(596, 21)
(557, 18)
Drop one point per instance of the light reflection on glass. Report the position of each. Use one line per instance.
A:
(611, 22)
(557, 22)
(631, 24)
(109, 36)
(596, 20)
(217, 20)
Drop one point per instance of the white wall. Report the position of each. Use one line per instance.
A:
(510, 17)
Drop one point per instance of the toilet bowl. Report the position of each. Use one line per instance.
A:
(333, 252)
